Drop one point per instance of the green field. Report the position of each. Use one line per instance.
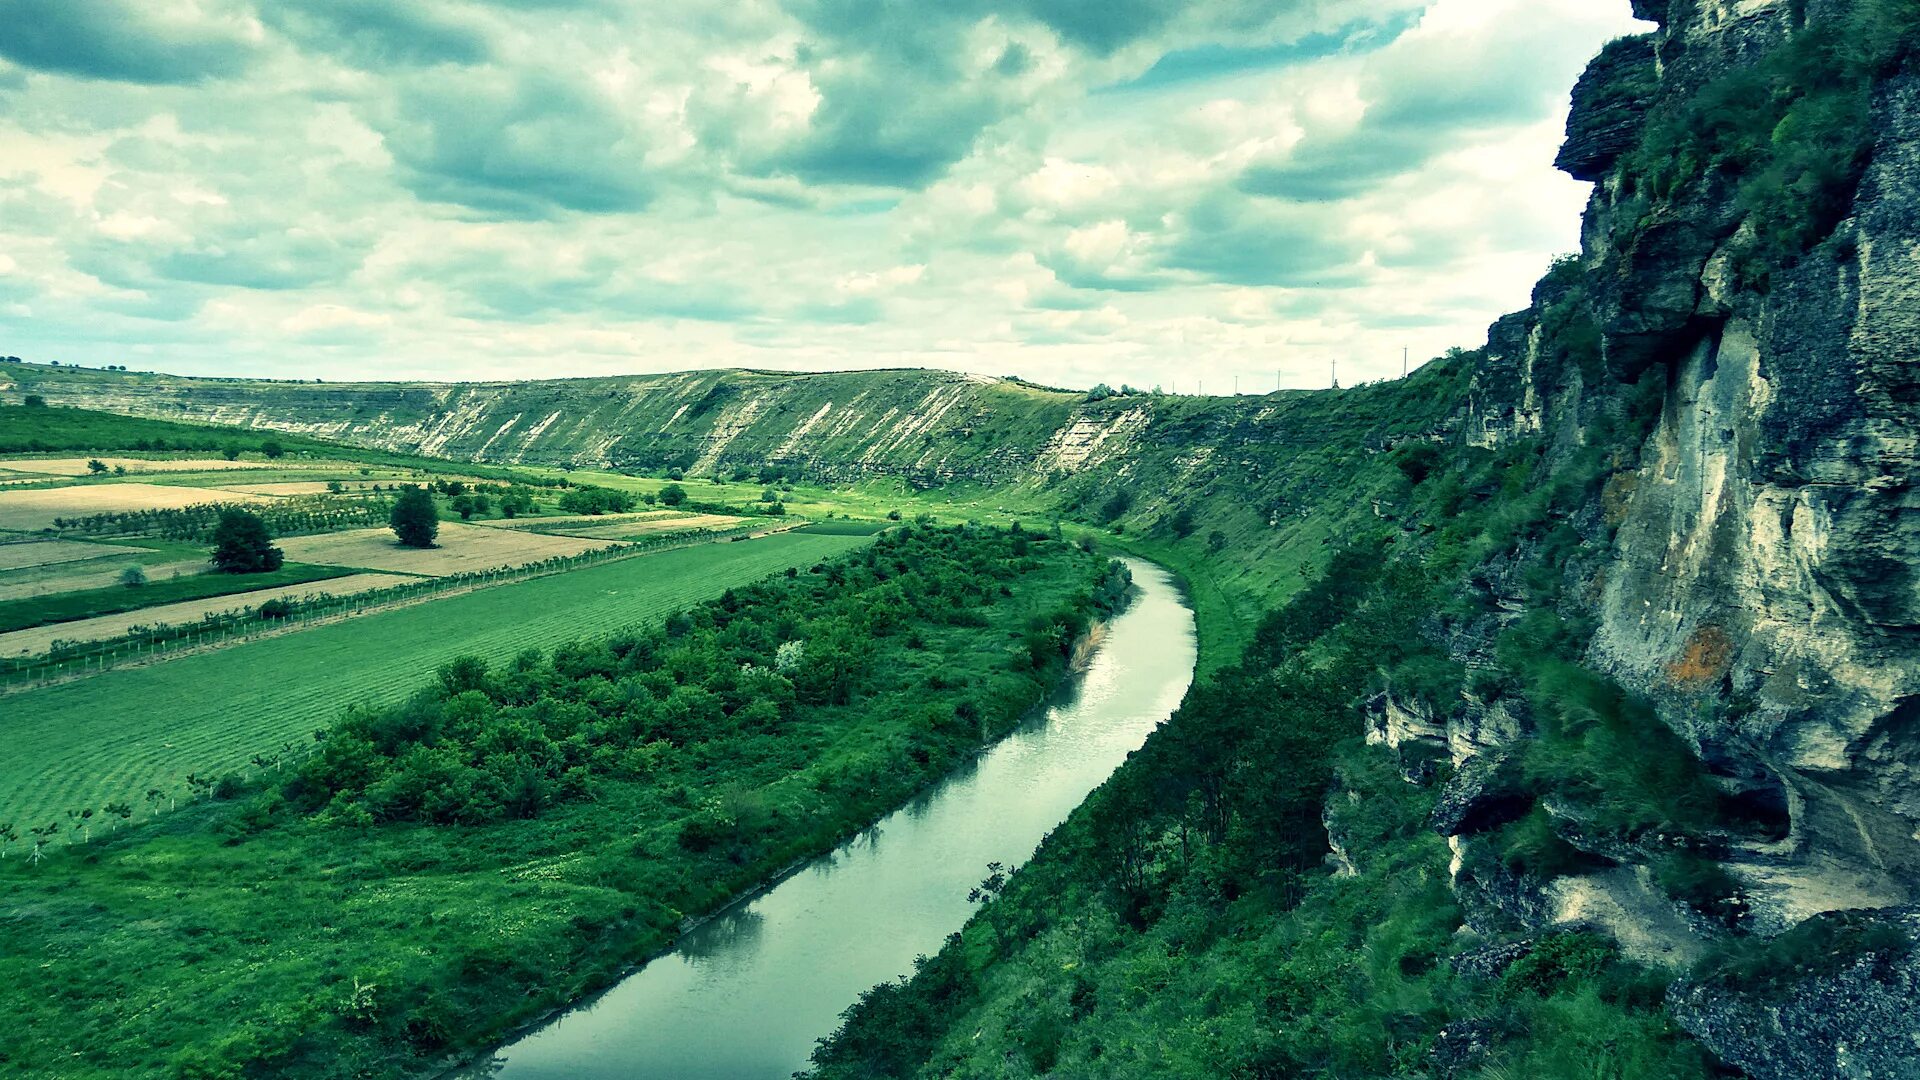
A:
(114, 736)
(91, 603)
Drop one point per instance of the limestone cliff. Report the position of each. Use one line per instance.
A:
(1754, 569)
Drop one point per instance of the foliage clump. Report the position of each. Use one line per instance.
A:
(1791, 132)
(486, 744)
(242, 544)
(414, 519)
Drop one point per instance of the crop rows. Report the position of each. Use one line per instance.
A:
(114, 736)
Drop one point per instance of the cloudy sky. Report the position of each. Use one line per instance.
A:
(1150, 191)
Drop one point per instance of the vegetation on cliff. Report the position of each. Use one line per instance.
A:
(1188, 922)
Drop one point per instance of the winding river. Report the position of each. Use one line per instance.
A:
(744, 996)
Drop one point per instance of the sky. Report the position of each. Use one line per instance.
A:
(1178, 193)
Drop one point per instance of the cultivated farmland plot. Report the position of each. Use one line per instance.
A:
(114, 736)
(93, 574)
(584, 519)
(622, 530)
(49, 552)
(31, 511)
(462, 549)
(79, 466)
(106, 627)
(299, 487)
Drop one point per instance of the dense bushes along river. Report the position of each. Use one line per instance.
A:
(444, 870)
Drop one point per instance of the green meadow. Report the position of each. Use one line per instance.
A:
(115, 736)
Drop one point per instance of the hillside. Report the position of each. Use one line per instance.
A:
(1592, 756)
(1239, 494)
(1580, 740)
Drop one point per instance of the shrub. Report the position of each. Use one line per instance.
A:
(1561, 959)
(133, 577)
(1531, 846)
(1702, 884)
(1821, 946)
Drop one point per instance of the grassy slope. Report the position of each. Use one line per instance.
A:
(459, 933)
(1135, 946)
(641, 422)
(113, 736)
(55, 430)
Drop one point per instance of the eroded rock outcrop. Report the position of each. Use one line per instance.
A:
(1757, 569)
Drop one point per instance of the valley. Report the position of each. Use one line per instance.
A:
(1547, 712)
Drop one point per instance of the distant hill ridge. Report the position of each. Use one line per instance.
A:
(923, 426)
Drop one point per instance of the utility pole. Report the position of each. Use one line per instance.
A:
(1236, 386)
(1336, 372)
(1403, 363)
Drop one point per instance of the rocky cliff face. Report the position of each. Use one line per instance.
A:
(1755, 568)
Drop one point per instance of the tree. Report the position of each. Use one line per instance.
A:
(242, 544)
(35, 401)
(415, 521)
(97, 467)
(231, 451)
(272, 449)
(1182, 522)
(133, 577)
(673, 495)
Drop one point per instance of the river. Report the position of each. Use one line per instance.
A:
(745, 996)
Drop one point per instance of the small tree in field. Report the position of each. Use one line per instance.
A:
(133, 577)
(415, 522)
(673, 495)
(242, 544)
(97, 467)
(231, 451)
(272, 449)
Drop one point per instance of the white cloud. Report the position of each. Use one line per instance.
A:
(1072, 193)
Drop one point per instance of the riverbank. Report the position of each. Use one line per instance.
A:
(748, 992)
(1085, 648)
(254, 934)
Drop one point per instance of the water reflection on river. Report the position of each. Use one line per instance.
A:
(745, 996)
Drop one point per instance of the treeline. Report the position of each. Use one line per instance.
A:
(296, 516)
(483, 745)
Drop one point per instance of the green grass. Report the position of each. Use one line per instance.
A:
(846, 528)
(68, 432)
(56, 430)
(113, 736)
(310, 949)
(90, 603)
